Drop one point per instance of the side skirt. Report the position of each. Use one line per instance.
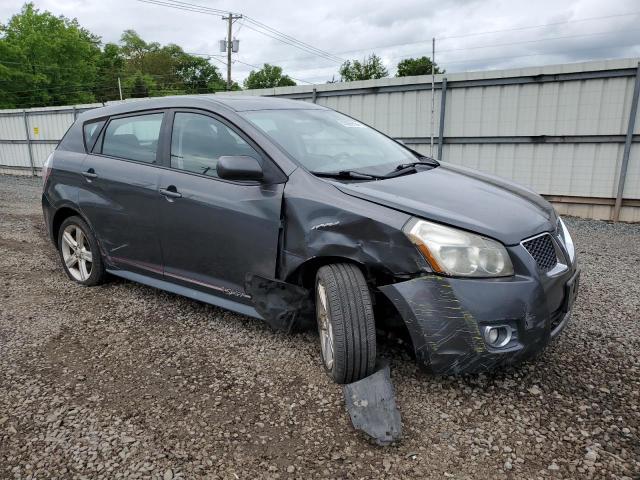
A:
(188, 292)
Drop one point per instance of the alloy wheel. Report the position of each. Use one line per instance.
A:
(76, 253)
(325, 327)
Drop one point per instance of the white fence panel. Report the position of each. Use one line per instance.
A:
(50, 126)
(587, 170)
(12, 127)
(14, 155)
(559, 129)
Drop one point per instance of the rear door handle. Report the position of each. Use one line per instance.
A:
(170, 192)
(91, 173)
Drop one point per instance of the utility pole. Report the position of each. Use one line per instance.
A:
(230, 19)
(433, 91)
(120, 88)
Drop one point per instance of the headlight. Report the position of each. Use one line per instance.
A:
(566, 240)
(458, 253)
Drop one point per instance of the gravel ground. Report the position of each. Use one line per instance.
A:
(124, 381)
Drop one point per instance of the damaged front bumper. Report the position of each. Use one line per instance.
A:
(446, 317)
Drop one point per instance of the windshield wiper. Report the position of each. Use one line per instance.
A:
(400, 170)
(348, 174)
(431, 162)
(406, 168)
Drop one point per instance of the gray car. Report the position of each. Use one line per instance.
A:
(296, 214)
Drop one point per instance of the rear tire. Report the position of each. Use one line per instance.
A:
(345, 322)
(79, 252)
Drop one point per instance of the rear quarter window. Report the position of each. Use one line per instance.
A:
(91, 130)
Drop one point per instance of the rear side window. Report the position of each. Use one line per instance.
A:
(133, 138)
(91, 131)
(197, 141)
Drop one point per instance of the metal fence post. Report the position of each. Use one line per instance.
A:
(443, 105)
(627, 147)
(75, 113)
(26, 130)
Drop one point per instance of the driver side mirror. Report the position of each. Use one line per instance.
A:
(239, 167)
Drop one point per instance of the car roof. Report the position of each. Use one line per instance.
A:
(237, 103)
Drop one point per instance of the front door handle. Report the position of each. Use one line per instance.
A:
(170, 192)
(91, 173)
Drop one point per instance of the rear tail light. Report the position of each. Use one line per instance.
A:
(46, 170)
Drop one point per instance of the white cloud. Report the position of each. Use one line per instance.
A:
(391, 29)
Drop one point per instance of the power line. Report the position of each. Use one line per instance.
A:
(543, 25)
(256, 66)
(530, 41)
(248, 65)
(288, 37)
(257, 27)
(498, 44)
(186, 8)
(55, 67)
(27, 64)
(493, 45)
(53, 89)
(322, 55)
(195, 5)
(243, 63)
(509, 57)
(475, 34)
(240, 27)
(23, 101)
(58, 89)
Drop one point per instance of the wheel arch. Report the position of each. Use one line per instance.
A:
(305, 273)
(61, 215)
(387, 316)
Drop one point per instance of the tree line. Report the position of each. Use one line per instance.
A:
(53, 60)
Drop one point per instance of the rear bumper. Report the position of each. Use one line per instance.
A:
(446, 317)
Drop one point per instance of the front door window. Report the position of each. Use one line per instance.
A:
(198, 141)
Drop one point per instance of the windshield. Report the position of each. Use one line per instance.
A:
(327, 141)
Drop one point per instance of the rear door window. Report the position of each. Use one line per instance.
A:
(197, 141)
(133, 138)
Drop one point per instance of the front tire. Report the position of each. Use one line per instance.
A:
(345, 322)
(79, 252)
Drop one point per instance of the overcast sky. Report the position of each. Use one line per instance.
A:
(394, 29)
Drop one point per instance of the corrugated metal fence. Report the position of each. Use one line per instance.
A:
(27, 137)
(568, 131)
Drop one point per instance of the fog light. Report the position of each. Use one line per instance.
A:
(492, 336)
(497, 336)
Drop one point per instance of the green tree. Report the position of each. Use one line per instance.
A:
(140, 85)
(370, 68)
(13, 78)
(47, 60)
(416, 66)
(198, 75)
(110, 66)
(135, 49)
(267, 77)
(172, 69)
(50, 60)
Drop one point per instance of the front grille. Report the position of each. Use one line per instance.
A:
(542, 250)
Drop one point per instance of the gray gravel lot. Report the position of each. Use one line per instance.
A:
(123, 381)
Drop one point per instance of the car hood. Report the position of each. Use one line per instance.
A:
(463, 198)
